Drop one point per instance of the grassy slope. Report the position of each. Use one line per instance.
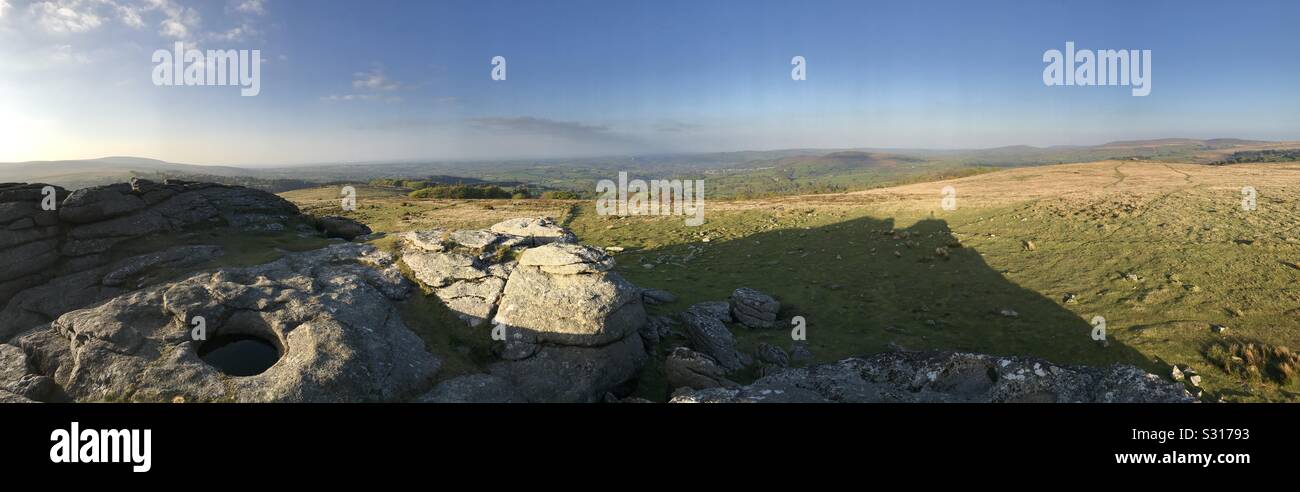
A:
(831, 259)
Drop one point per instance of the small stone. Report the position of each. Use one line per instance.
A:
(1029, 245)
(1010, 313)
(1070, 298)
(1218, 329)
(1195, 379)
(1176, 374)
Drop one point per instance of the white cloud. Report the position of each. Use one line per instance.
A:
(374, 80)
(180, 22)
(3, 7)
(66, 16)
(250, 7)
(130, 16)
(361, 97)
(238, 33)
(373, 86)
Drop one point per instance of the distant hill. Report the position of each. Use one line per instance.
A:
(90, 172)
(1166, 142)
(740, 173)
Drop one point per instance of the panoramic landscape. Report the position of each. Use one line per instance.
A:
(1155, 240)
(256, 201)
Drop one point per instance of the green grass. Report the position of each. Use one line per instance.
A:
(821, 265)
(1160, 267)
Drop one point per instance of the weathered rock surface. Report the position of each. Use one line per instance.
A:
(753, 308)
(474, 388)
(709, 336)
(338, 336)
(563, 294)
(465, 276)
(567, 259)
(52, 261)
(574, 327)
(566, 373)
(947, 377)
(719, 310)
(690, 369)
(17, 382)
(539, 230)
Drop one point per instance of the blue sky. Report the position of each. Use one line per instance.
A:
(386, 80)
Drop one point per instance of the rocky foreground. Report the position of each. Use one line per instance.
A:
(81, 321)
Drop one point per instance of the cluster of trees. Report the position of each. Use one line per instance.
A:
(426, 188)
(463, 191)
(1270, 155)
(561, 195)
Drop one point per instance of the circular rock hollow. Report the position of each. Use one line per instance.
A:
(239, 354)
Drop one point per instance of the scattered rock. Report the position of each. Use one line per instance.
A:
(687, 368)
(719, 310)
(1029, 245)
(947, 377)
(1219, 329)
(341, 227)
(1070, 298)
(753, 308)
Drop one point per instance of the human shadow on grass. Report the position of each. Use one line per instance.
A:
(865, 287)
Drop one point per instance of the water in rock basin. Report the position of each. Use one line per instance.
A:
(239, 355)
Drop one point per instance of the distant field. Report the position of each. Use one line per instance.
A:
(1161, 251)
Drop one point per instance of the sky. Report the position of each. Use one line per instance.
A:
(380, 80)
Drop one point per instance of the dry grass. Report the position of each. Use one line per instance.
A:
(1254, 360)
